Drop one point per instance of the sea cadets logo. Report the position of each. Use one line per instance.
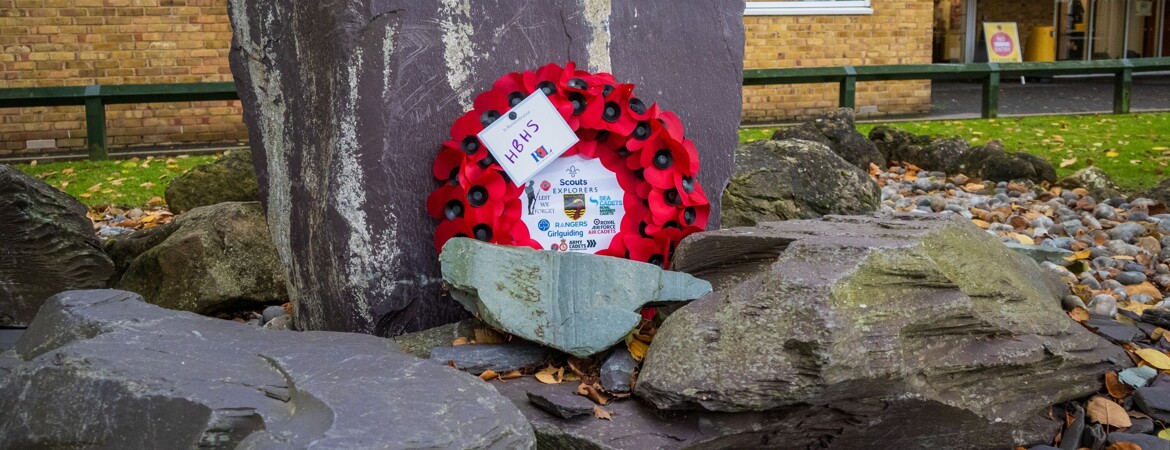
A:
(574, 206)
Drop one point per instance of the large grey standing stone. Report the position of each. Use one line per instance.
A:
(794, 179)
(102, 369)
(348, 103)
(47, 245)
(231, 178)
(928, 310)
(578, 303)
(213, 258)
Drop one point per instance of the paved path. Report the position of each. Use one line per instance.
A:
(953, 99)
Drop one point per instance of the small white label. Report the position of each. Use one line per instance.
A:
(574, 205)
(528, 138)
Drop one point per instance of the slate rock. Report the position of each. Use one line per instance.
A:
(499, 358)
(993, 163)
(1154, 401)
(1138, 377)
(563, 403)
(617, 372)
(47, 245)
(281, 323)
(898, 145)
(420, 343)
(636, 425)
(794, 179)
(1141, 426)
(1157, 316)
(230, 178)
(141, 377)
(1094, 437)
(1092, 179)
(1071, 436)
(213, 258)
(1116, 332)
(578, 303)
(836, 129)
(348, 103)
(1146, 441)
(934, 299)
(1041, 253)
(271, 312)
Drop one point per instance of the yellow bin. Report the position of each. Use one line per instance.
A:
(1041, 44)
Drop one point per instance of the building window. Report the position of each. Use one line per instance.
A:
(808, 8)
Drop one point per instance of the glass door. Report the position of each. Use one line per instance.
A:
(1071, 24)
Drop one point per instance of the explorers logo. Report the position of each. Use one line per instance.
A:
(543, 225)
(574, 206)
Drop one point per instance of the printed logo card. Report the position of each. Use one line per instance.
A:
(528, 138)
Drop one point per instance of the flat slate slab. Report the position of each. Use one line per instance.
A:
(103, 369)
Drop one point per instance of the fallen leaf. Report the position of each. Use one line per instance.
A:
(85, 195)
(1161, 149)
(637, 349)
(605, 415)
(1023, 239)
(147, 185)
(592, 392)
(67, 171)
(489, 336)
(95, 188)
(511, 375)
(1143, 288)
(64, 184)
(1157, 333)
(1123, 446)
(1105, 411)
(981, 223)
(548, 375)
(152, 218)
(154, 200)
(1067, 162)
(1154, 358)
(457, 342)
(488, 375)
(1112, 154)
(1079, 314)
(1164, 434)
(1116, 388)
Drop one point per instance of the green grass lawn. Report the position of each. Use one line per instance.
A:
(126, 183)
(1134, 149)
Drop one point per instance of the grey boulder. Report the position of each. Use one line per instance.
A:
(837, 130)
(578, 303)
(102, 369)
(211, 259)
(927, 153)
(1092, 179)
(47, 245)
(928, 311)
(230, 178)
(794, 179)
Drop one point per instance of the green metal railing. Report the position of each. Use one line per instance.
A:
(96, 97)
(991, 74)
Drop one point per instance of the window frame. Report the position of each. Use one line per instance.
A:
(809, 8)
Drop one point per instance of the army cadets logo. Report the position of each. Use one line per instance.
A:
(574, 206)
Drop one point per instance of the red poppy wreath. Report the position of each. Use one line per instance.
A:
(626, 189)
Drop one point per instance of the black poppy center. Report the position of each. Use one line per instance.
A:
(688, 184)
(477, 196)
(663, 159)
(515, 98)
(637, 106)
(548, 87)
(672, 197)
(689, 215)
(454, 209)
(642, 131)
(482, 232)
(470, 145)
(612, 112)
(489, 117)
(578, 102)
(657, 260)
(486, 162)
(608, 89)
(578, 84)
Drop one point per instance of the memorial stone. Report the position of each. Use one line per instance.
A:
(348, 103)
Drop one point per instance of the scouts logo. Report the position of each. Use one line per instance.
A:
(574, 206)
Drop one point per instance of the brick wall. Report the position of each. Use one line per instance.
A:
(81, 42)
(898, 32)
